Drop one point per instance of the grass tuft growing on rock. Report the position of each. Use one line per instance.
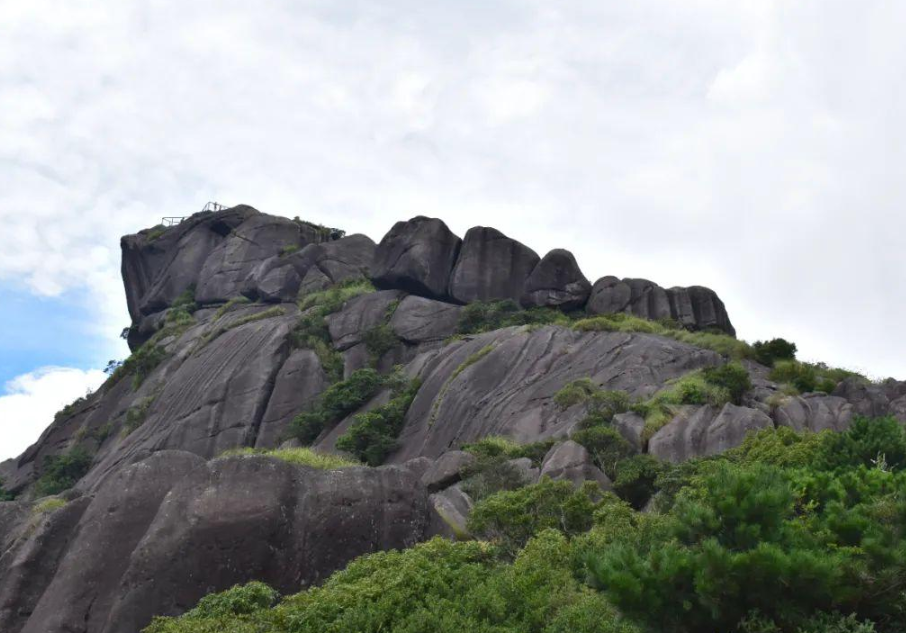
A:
(300, 456)
(48, 505)
(486, 316)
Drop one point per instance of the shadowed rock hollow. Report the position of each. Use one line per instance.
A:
(232, 341)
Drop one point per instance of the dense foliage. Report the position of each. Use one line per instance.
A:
(61, 472)
(788, 533)
(337, 401)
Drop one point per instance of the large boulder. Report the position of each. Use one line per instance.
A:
(360, 314)
(417, 256)
(814, 412)
(421, 320)
(556, 281)
(229, 264)
(166, 531)
(696, 307)
(491, 266)
(452, 508)
(702, 431)
(447, 470)
(570, 461)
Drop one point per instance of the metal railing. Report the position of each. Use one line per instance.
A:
(214, 206)
(171, 221)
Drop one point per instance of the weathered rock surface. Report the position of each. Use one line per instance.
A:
(162, 533)
(420, 320)
(360, 314)
(298, 383)
(702, 431)
(556, 281)
(503, 383)
(630, 425)
(446, 471)
(571, 462)
(491, 266)
(452, 508)
(416, 256)
(815, 412)
(695, 307)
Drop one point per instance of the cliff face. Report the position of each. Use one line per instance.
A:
(220, 362)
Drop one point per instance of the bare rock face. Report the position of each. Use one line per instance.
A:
(695, 307)
(445, 472)
(300, 380)
(571, 462)
(630, 425)
(702, 431)
(228, 265)
(556, 281)
(452, 508)
(491, 266)
(164, 532)
(503, 383)
(815, 412)
(360, 314)
(417, 256)
(420, 320)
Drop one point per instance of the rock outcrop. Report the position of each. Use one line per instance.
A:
(696, 308)
(417, 256)
(161, 517)
(556, 281)
(491, 266)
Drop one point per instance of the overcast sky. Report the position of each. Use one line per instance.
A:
(753, 147)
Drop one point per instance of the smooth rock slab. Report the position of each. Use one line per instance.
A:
(702, 431)
(814, 412)
(421, 320)
(360, 314)
(446, 470)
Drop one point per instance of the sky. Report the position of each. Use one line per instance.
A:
(755, 147)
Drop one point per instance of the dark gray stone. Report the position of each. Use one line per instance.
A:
(280, 285)
(702, 431)
(452, 507)
(503, 383)
(421, 320)
(446, 470)
(416, 256)
(814, 412)
(609, 295)
(570, 461)
(491, 266)
(299, 382)
(360, 314)
(557, 282)
(630, 425)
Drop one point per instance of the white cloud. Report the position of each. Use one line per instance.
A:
(756, 147)
(30, 401)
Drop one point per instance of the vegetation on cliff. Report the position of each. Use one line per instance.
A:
(798, 533)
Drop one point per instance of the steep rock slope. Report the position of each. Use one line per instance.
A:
(225, 357)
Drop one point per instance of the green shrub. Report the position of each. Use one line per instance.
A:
(61, 472)
(576, 392)
(767, 352)
(692, 389)
(869, 442)
(731, 376)
(298, 456)
(488, 475)
(135, 415)
(799, 375)
(487, 316)
(336, 402)
(779, 447)
(636, 478)
(606, 446)
(511, 518)
(48, 505)
(239, 600)
(5, 495)
(496, 446)
(379, 340)
(372, 435)
(311, 331)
